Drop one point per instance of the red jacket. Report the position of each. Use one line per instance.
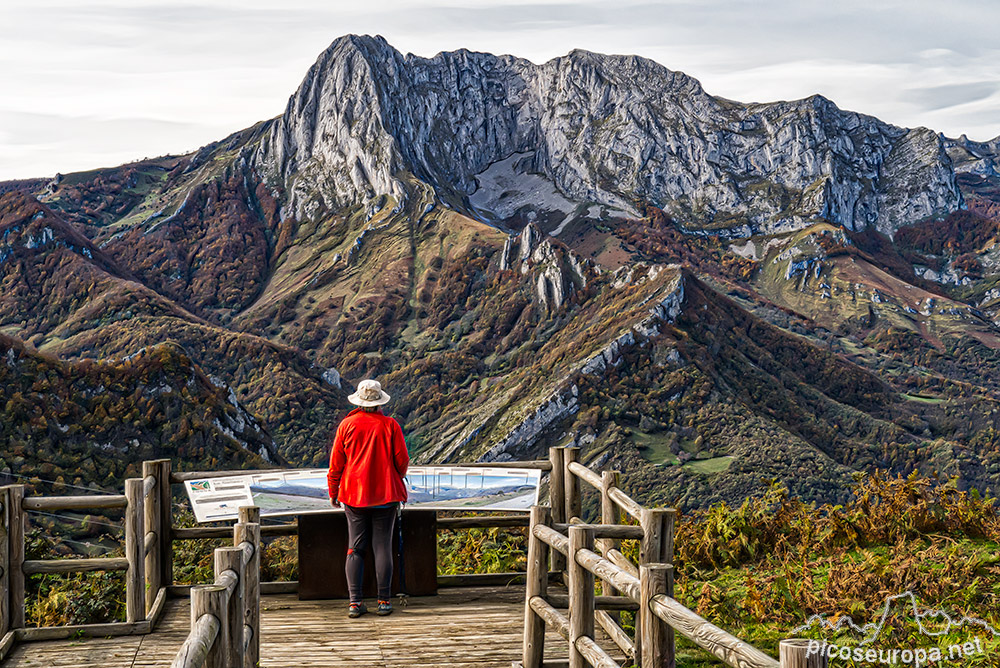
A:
(368, 460)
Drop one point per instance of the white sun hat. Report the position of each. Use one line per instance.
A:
(369, 394)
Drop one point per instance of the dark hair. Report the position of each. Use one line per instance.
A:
(370, 409)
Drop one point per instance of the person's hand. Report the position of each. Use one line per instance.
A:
(335, 503)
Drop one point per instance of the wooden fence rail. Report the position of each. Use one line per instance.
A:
(36, 566)
(146, 528)
(74, 502)
(225, 615)
(149, 534)
(593, 554)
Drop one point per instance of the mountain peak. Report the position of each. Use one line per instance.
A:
(614, 130)
(630, 69)
(364, 44)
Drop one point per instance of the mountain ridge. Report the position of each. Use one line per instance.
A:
(102, 419)
(497, 106)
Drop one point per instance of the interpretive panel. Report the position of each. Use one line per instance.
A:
(297, 492)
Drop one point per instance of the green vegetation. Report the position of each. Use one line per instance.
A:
(655, 448)
(921, 399)
(86, 423)
(482, 551)
(957, 233)
(709, 466)
(762, 569)
(76, 598)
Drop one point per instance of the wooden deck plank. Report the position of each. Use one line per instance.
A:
(459, 628)
(110, 652)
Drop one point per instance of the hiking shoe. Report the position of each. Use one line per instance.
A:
(384, 608)
(357, 609)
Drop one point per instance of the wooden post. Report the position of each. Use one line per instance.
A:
(249, 514)
(609, 509)
(609, 515)
(797, 653)
(16, 529)
(231, 559)
(657, 650)
(581, 593)
(669, 520)
(4, 561)
(135, 540)
(536, 584)
(248, 529)
(160, 468)
(650, 549)
(573, 501)
(651, 546)
(670, 640)
(557, 500)
(153, 521)
(211, 600)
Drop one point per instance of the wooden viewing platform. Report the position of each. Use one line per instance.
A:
(554, 620)
(460, 627)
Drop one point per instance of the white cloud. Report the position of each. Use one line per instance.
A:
(136, 77)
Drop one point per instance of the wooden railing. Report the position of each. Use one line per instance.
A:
(146, 503)
(586, 553)
(225, 615)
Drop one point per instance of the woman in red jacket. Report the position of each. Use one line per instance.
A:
(367, 465)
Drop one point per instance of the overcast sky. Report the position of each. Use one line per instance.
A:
(89, 83)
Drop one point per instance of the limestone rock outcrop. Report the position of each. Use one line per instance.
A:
(558, 270)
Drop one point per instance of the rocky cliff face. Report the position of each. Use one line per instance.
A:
(612, 130)
(974, 157)
(559, 271)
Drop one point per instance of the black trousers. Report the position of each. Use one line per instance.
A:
(370, 526)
